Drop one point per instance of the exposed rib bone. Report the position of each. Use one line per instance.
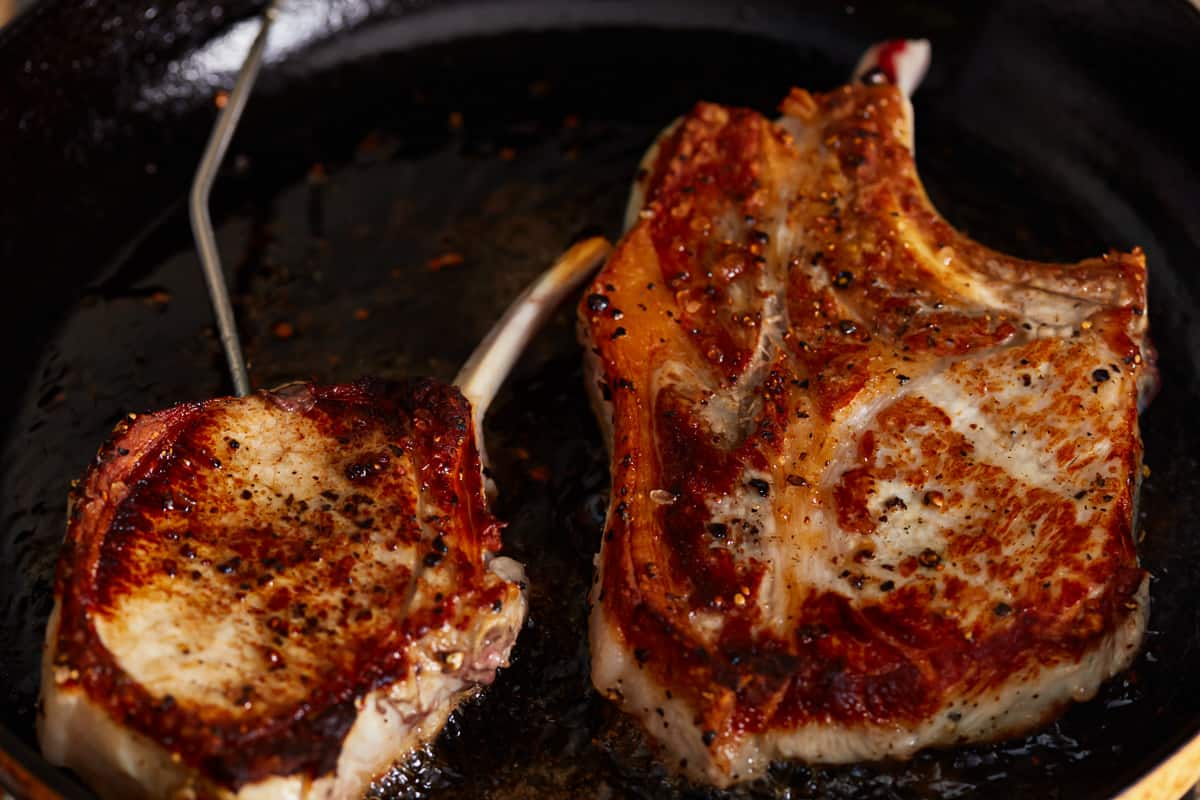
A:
(481, 376)
(903, 61)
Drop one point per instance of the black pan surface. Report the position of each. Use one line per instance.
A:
(384, 138)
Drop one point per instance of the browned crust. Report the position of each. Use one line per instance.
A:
(147, 456)
(672, 291)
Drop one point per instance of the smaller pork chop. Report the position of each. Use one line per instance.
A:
(281, 595)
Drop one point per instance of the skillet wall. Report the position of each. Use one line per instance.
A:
(1052, 130)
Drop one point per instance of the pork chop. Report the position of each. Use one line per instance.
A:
(275, 591)
(279, 596)
(873, 483)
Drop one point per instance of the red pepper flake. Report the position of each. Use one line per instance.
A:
(443, 261)
(283, 330)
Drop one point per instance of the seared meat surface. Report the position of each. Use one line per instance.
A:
(278, 595)
(873, 484)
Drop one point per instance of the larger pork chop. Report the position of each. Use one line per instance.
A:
(873, 483)
(275, 596)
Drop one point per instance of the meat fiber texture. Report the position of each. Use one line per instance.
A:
(873, 484)
(275, 596)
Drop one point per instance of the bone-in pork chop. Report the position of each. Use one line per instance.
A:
(873, 483)
(275, 595)
(280, 596)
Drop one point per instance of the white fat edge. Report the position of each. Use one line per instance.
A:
(390, 722)
(394, 720)
(1023, 702)
(637, 190)
(617, 675)
(113, 759)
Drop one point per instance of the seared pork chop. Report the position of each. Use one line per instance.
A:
(292, 584)
(278, 596)
(873, 484)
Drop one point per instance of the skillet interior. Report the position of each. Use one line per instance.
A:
(1032, 133)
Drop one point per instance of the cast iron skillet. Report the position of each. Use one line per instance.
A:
(384, 137)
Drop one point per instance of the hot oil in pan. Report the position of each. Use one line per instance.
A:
(383, 235)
